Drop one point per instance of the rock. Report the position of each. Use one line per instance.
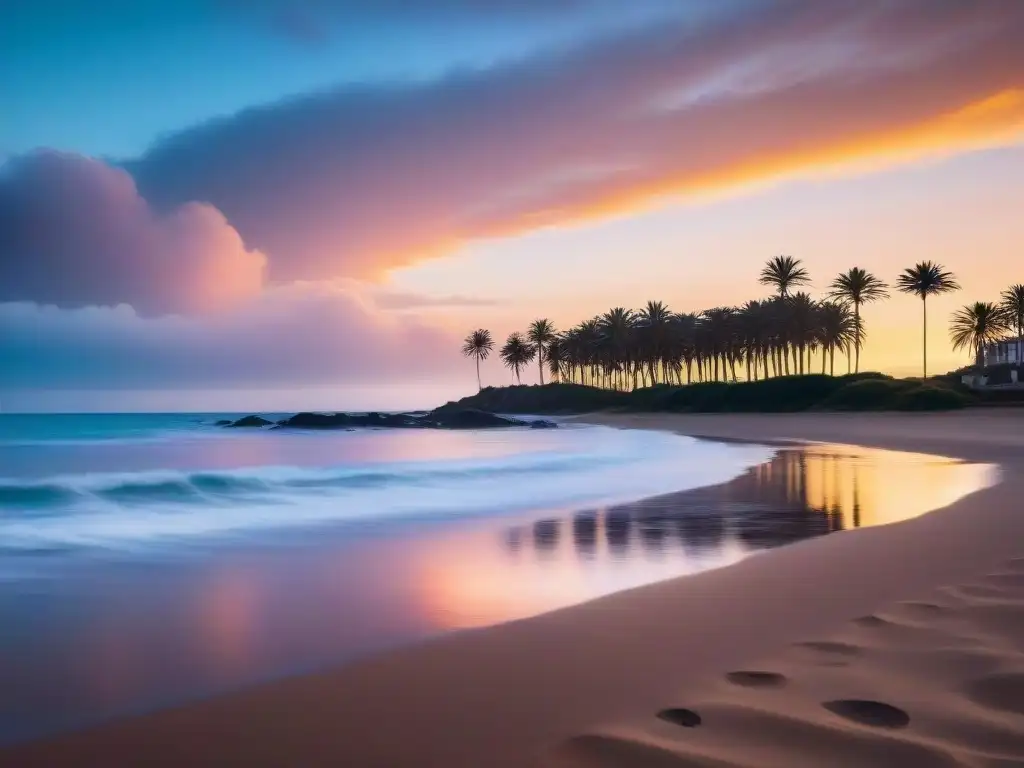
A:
(249, 421)
(224, 423)
(470, 418)
(446, 417)
(307, 420)
(349, 420)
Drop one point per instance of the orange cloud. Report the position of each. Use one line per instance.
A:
(358, 181)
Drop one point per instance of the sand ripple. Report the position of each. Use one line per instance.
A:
(920, 683)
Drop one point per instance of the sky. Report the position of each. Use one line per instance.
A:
(284, 204)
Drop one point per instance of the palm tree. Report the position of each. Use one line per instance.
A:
(1012, 306)
(541, 333)
(802, 325)
(516, 353)
(616, 328)
(653, 324)
(784, 272)
(976, 326)
(837, 329)
(926, 279)
(857, 286)
(478, 345)
(557, 357)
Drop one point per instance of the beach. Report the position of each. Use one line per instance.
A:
(897, 645)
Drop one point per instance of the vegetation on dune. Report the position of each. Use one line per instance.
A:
(785, 394)
(776, 353)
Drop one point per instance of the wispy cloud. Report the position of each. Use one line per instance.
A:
(298, 336)
(359, 180)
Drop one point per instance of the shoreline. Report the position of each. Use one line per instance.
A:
(581, 685)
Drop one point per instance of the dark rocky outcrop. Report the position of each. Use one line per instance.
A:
(469, 418)
(317, 421)
(249, 421)
(224, 422)
(446, 417)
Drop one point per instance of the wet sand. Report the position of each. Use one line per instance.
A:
(895, 645)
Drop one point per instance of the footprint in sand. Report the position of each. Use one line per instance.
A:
(756, 679)
(687, 718)
(877, 714)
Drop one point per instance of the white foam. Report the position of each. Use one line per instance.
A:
(596, 466)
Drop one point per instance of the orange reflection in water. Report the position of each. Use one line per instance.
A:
(475, 579)
(865, 486)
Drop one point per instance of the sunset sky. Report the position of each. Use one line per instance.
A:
(283, 204)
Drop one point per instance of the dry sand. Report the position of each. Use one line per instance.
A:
(900, 645)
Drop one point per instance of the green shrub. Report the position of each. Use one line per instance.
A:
(931, 398)
(867, 394)
(549, 398)
(656, 398)
(856, 392)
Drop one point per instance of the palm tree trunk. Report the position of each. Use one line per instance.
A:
(924, 307)
(479, 386)
(540, 362)
(856, 330)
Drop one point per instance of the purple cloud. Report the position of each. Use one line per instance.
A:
(302, 335)
(358, 180)
(75, 232)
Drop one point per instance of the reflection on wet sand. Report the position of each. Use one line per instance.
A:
(801, 493)
(128, 637)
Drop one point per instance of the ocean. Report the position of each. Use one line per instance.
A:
(160, 483)
(151, 559)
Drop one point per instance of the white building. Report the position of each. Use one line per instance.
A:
(1004, 351)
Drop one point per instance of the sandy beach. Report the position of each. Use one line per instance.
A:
(900, 645)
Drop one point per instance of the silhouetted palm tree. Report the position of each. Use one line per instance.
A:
(837, 329)
(802, 326)
(783, 273)
(516, 353)
(1012, 306)
(652, 325)
(926, 279)
(557, 357)
(478, 345)
(615, 331)
(857, 286)
(540, 334)
(976, 326)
